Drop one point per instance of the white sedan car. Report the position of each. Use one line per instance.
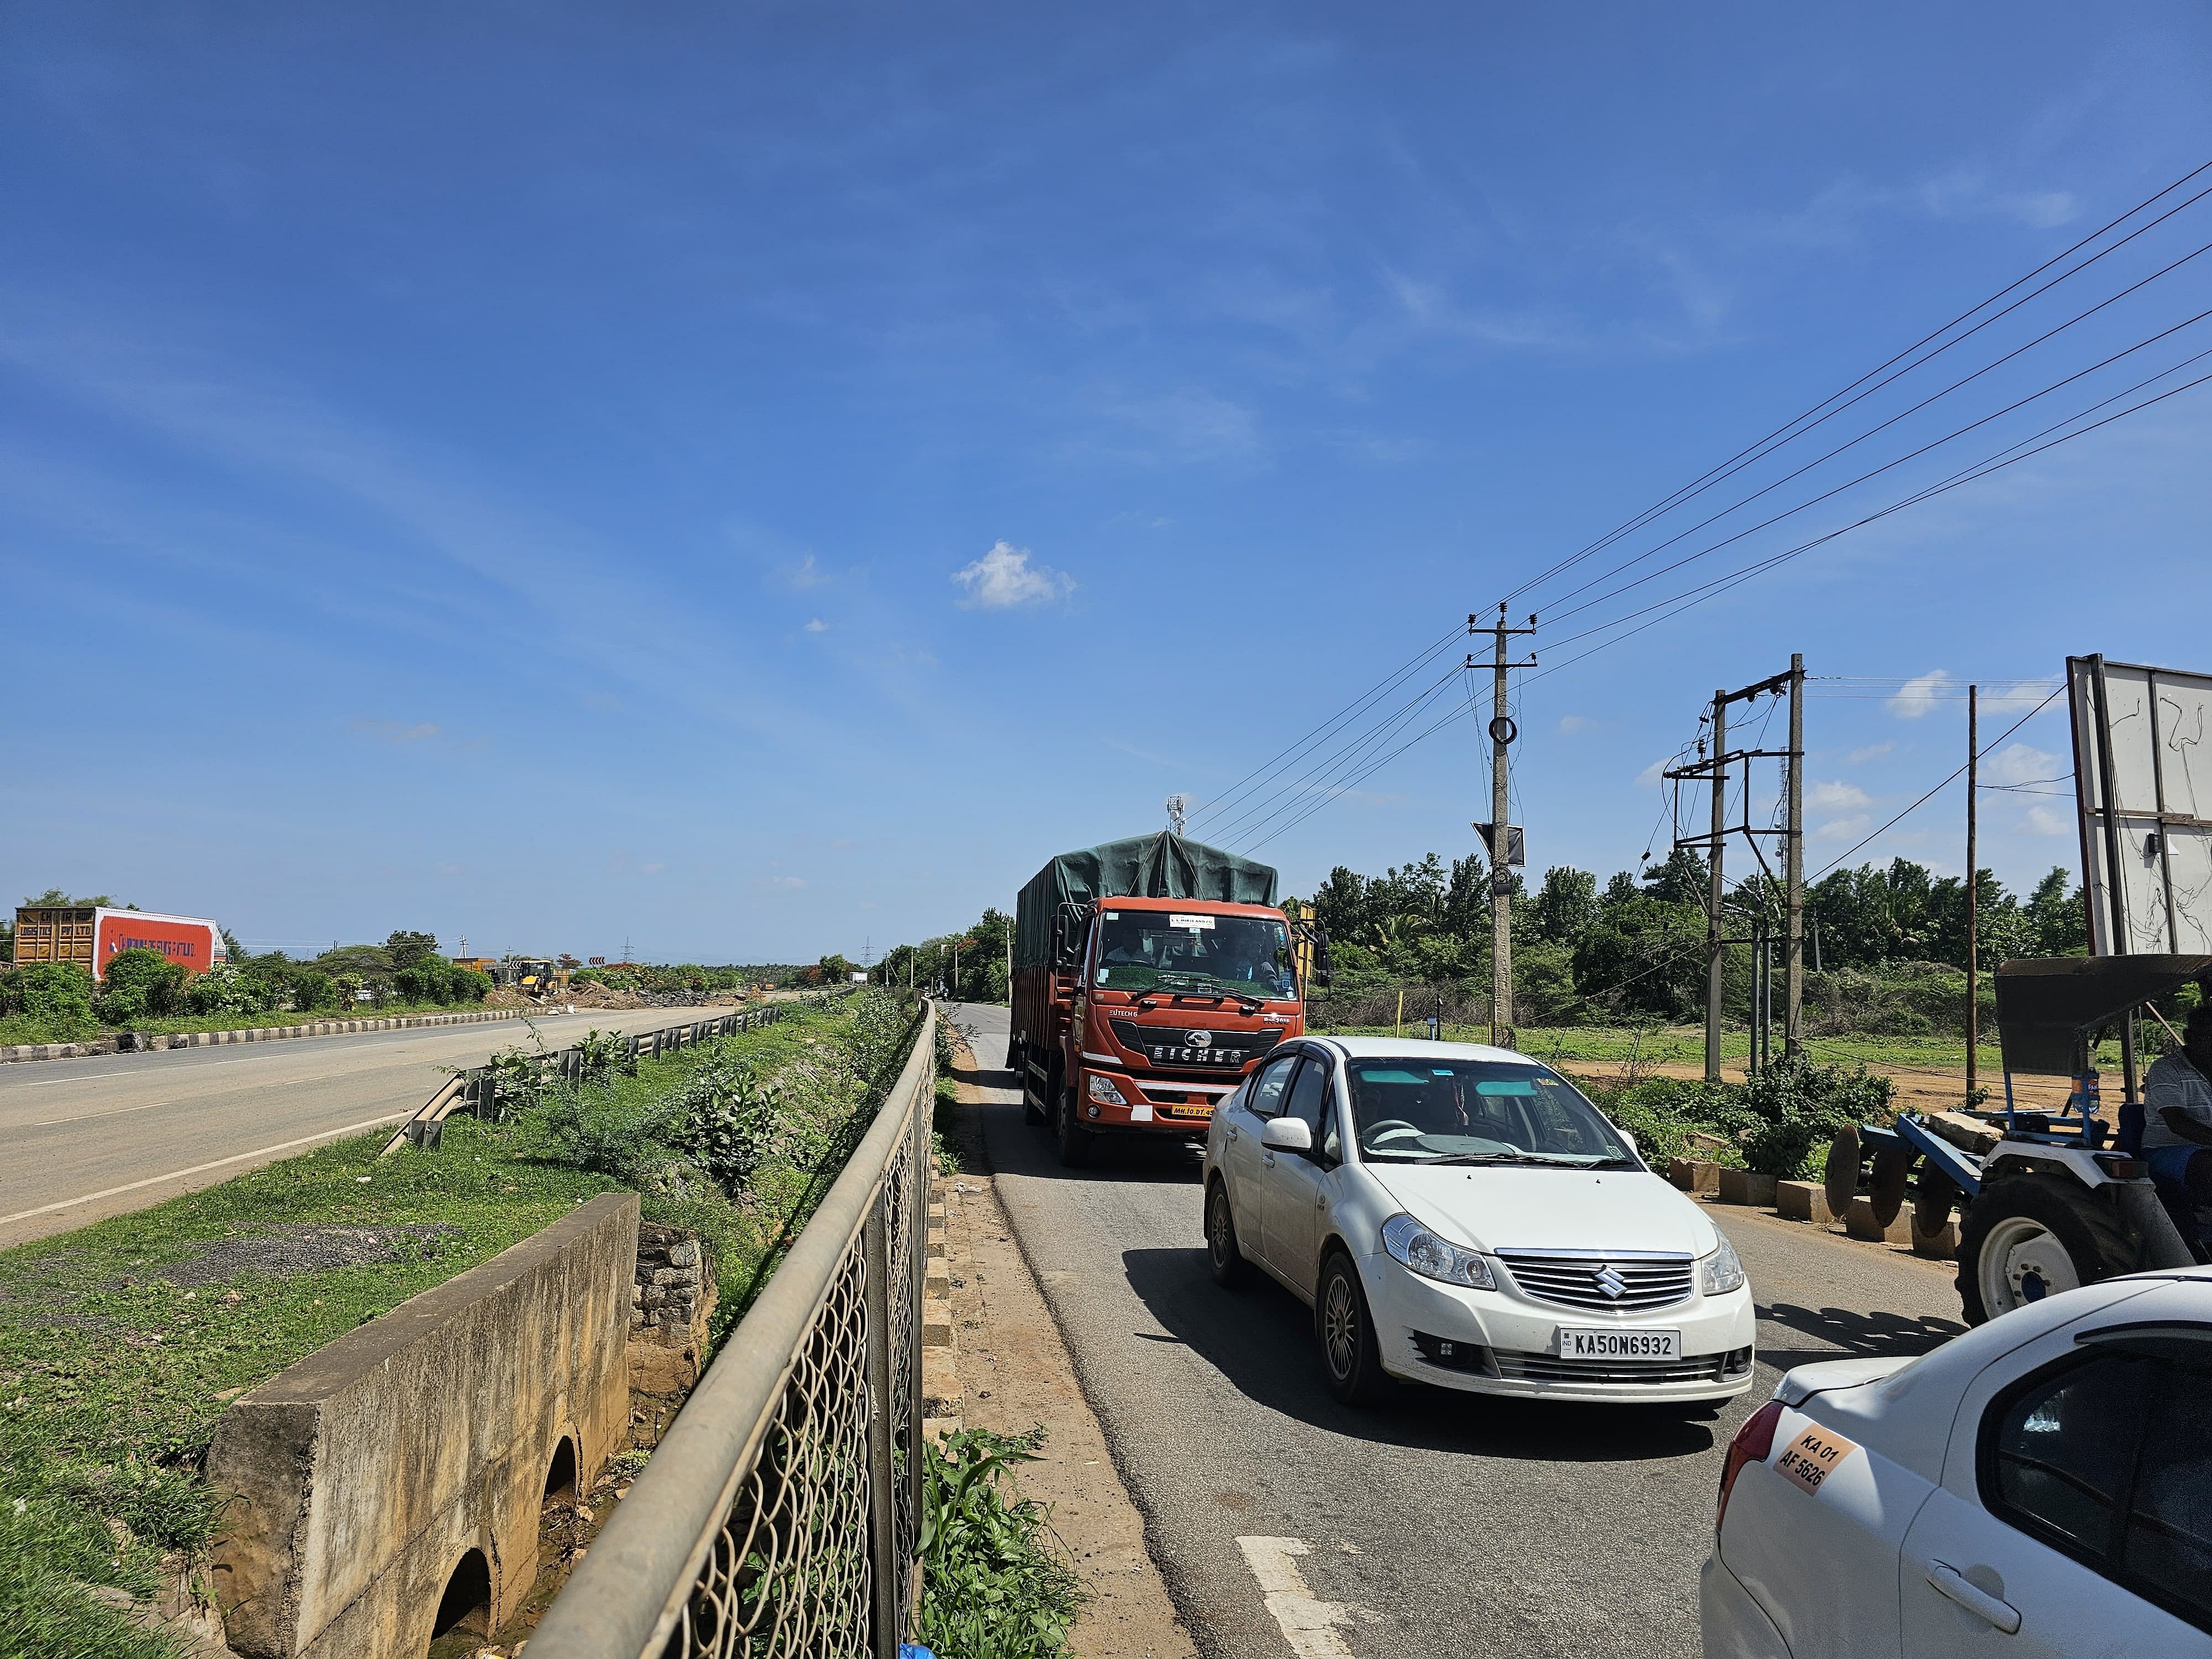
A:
(1461, 1215)
(2040, 1487)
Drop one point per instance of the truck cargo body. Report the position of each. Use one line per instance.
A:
(90, 935)
(1135, 1011)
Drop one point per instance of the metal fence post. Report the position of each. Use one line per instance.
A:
(882, 1540)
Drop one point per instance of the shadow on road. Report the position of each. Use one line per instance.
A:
(1261, 1340)
(1856, 1335)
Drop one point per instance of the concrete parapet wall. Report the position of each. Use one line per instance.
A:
(141, 1041)
(360, 1478)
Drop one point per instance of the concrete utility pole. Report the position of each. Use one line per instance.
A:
(1502, 734)
(1716, 948)
(1793, 971)
(1973, 898)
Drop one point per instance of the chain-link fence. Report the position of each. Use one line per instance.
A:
(779, 1517)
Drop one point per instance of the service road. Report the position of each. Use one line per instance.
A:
(1444, 1525)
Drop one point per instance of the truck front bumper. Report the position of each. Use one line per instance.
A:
(1146, 1105)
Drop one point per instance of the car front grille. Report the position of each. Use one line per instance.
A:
(1550, 1368)
(1614, 1284)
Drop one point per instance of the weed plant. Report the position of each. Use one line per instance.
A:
(993, 1587)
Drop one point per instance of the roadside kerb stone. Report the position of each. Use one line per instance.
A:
(131, 1042)
(357, 1481)
(1859, 1222)
(1747, 1187)
(1803, 1200)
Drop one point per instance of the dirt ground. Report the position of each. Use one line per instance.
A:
(1016, 1374)
(1919, 1089)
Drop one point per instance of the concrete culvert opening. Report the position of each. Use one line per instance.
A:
(560, 1474)
(466, 1604)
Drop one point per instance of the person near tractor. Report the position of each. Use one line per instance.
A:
(2176, 1141)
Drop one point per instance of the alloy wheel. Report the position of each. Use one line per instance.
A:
(1340, 1327)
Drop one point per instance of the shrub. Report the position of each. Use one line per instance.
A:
(991, 1587)
(137, 985)
(224, 989)
(731, 1123)
(1796, 1106)
(46, 990)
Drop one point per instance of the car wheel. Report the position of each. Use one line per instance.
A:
(1349, 1358)
(2029, 1236)
(1074, 1140)
(1222, 1253)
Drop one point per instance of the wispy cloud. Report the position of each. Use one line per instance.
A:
(803, 576)
(1917, 696)
(2017, 762)
(1650, 776)
(1572, 723)
(1004, 579)
(383, 731)
(1871, 751)
(1839, 829)
(816, 625)
(1835, 797)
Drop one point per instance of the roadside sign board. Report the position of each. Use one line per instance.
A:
(2140, 739)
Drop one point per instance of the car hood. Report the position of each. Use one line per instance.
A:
(1527, 1209)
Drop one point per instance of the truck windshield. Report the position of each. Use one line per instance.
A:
(1175, 951)
(1424, 1110)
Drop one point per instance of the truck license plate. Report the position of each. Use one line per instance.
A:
(1619, 1345)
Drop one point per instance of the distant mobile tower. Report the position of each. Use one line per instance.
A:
(1178, 810)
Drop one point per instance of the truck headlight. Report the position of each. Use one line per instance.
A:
(1422, 1252)
(1102, 1088)
(1720, 1272)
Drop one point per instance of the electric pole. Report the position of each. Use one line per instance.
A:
(1973, 898)
(1499, 831)
(1718, 891)
(1792, 968)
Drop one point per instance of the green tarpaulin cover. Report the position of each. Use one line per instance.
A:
(1163, 865)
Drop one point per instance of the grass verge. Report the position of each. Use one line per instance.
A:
(993, 1587)
(121, 1343)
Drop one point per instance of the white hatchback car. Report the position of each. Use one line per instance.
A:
(1461, 1215)
(2040, 1487)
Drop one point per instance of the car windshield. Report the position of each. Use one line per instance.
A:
(1177, 951)
(1430, 1109)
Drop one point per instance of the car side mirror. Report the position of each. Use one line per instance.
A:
(1630, 1138)
(1287, 1134)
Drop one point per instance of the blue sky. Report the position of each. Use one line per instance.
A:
(753, 482)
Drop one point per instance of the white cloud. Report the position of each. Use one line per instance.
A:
(656, 867)
(2019, 763)
(1569, 723)
(1872, 752)
(1838, 829)
(2044, 821)
(817, 626)
(805, 574)
(1650, 776)
(785, 884)
(1832, 797)
(1918, 696)
(1004, 579)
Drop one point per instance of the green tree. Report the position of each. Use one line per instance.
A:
(2054, 911)
(406, 950)
(1566, 907)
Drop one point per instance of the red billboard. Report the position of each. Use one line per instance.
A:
(192, 944)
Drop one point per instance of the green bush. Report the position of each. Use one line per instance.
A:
(60, 993)
(1797, 1106)
(992, 1586)
(138, 985)
(224, 989)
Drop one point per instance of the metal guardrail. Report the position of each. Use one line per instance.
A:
(781, 1514)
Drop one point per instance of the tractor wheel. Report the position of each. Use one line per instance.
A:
(1885, 1191)
(1074, 1140)
(1842, 1176)
(2027, 1237)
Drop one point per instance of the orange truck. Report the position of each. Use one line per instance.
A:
(1150, 974)
(89, 935)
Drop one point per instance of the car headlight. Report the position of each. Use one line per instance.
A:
(1102, 1088)
(1720, 1272)
(1423, 1253)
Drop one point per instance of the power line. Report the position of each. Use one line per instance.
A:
(1784, 433)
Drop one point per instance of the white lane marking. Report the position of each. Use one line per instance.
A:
(1309, 1627)
(116, 1111)
(197, 1169)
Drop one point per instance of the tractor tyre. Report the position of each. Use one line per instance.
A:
(1842, 1176)
(1075, 1140)
(2027, 1237)
(1892, 1166)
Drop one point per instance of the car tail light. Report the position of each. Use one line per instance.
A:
(1753, 1442)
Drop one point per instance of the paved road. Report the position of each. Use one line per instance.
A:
(95, 1137)
(1444, 1525)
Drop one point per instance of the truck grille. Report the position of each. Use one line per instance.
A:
(1629, 1283)
(1169, 1045)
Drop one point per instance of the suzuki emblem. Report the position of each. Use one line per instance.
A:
(1612, 1283)
(1198, 1039)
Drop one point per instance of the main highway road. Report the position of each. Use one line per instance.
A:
(84, 1139)
(1443, 1525)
